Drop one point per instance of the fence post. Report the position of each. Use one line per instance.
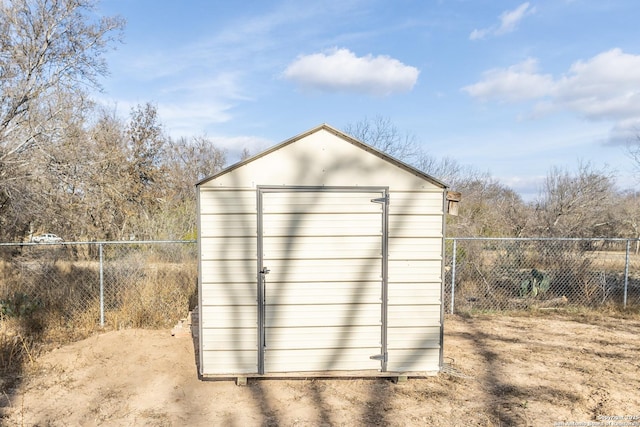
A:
(626, 274)
(101, 286)
(453, 274)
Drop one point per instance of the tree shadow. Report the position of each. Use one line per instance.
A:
(504, 400)
(305, 166)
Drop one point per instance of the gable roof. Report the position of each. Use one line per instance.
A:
(342, 135)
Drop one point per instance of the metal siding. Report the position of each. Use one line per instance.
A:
(426, 248)
(228, 271)
(416, 338)
(416, 203)
(330, 270)
(229, 362)
(425, 360)
(225, 201)
(415, 226)
(320, 202)
(228, 253)
(237, 225)
(414, 316)
(227, 231)
(229, 294)
(305, 293)
(415, 281)
(338, 247)
(229, 316)
(313, 224)
(338, 337)
(319, 315)
(323, 300)
(414, 348)
(237, 339)
(417, 293)
(321, 159)
(412, 270)
(229, 248)
(301, 360)
(199, 355)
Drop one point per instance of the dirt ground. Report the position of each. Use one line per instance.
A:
(543, 370)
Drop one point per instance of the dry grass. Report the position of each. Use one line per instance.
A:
(504, 278)
(48, 302)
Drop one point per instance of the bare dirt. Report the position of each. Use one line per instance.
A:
(542, 370)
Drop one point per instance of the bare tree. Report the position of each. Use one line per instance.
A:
(633, 151)
(576, 204)
(245, 154)
(110, 178)
(627, 213)
(488, 208)
(146, 144)
(144, 171)
(79, 187)
(187, 162)
(48, 49)
(383, 135)
(106, 187)
(47, 46)
(191, 160)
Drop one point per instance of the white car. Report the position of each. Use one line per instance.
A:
(46, 238)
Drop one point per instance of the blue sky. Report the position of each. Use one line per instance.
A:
(508, 87)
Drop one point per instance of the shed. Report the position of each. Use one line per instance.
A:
(321, 256)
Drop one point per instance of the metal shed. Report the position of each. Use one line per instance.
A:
(320, 257)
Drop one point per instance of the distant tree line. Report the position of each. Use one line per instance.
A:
(74, 168)
(580, 203)
(69, 166)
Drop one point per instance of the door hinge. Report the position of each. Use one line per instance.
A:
(384, 199)
(383, 357)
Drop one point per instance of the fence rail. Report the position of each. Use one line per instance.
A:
(154, 284)
(512, 274)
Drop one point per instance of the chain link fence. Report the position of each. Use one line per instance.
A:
(82, 285)
(514, 274)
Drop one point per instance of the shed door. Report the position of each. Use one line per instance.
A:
(322, 279)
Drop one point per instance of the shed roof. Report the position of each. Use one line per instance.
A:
(345, 137)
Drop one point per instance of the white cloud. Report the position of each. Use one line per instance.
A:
(479, 34)
(604, 87)
(625, 132)
(509, 21)
(516, 83)
(340, 70)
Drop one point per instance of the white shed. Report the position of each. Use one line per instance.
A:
(320, 257)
